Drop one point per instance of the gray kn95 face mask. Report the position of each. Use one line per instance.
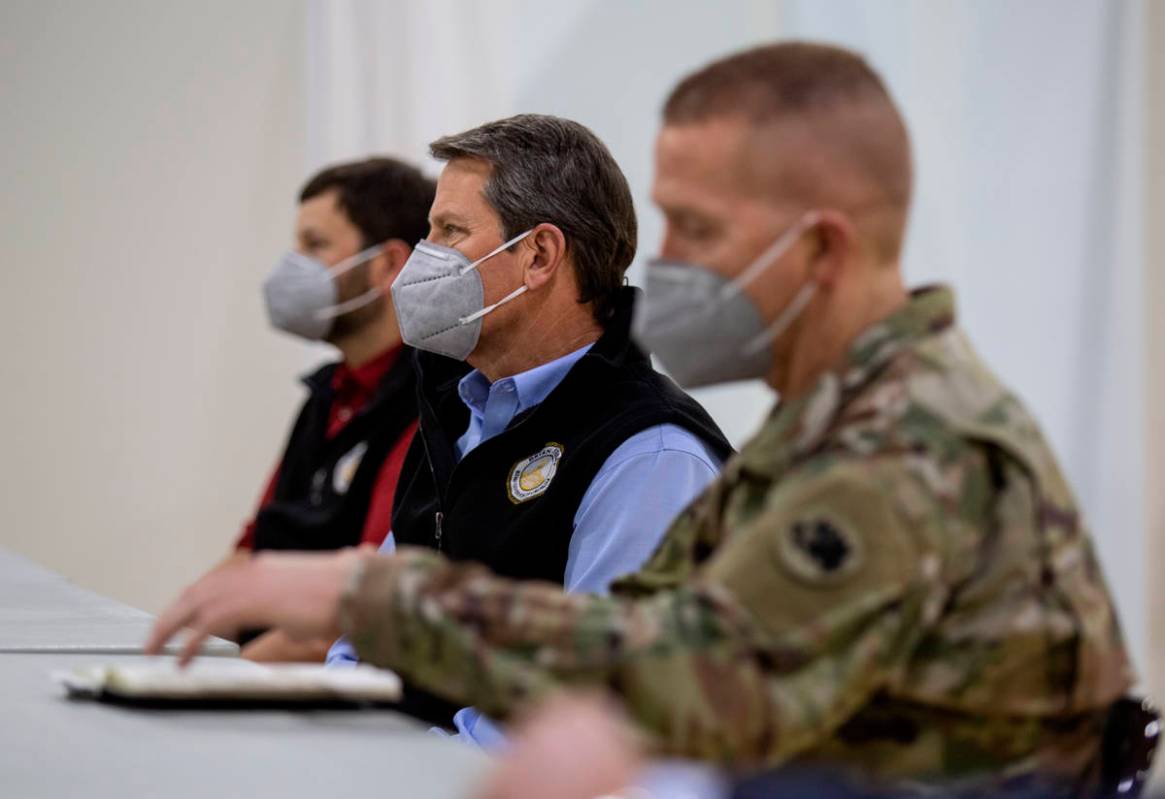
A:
(440, 299)
(703, 327)
(301, 295)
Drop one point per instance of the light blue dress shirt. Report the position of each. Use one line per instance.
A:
(627, 508)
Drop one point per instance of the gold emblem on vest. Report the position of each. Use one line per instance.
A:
(530, 477)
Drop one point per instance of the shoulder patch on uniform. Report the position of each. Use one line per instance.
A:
(346, 467)
(530, 477)
(818, 550)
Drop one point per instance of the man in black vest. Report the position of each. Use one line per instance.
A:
(333, 485)
(549, 448)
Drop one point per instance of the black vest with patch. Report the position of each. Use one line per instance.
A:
(324, 488)
(510, 503)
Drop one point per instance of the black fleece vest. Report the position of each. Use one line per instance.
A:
(510, 503)
(325, 486)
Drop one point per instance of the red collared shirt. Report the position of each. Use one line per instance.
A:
(352, 389)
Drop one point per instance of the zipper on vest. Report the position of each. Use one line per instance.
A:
(439, 516)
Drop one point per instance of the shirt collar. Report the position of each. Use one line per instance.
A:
(531, 387)
(366, 377)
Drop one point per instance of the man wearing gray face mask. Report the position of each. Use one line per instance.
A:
(334, 483)
(549, 448)
(891, 581)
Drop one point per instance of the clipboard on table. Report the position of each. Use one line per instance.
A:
(222, 684)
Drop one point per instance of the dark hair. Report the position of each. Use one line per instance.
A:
(548, 169)
(382, 197)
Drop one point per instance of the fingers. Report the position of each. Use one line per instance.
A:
(200, 609)
(299, 593)
(200, 621)
(192, 646)
(169, 623)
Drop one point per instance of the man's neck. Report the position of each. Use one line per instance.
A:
(826, 338)
(537, 345)
(369, 343)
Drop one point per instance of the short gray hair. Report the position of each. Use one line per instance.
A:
(549, 169)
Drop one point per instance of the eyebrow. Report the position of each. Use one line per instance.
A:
(668, 206)
(684, 211)
(447, 218)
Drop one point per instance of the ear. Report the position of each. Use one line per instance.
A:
(544, 251)
(834, 241)
(387, 265)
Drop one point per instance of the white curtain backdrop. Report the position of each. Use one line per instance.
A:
(1027, 126)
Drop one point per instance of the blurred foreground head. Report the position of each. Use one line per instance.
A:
(792, 159)
(570, 747)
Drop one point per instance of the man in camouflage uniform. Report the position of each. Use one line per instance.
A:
(892, 576)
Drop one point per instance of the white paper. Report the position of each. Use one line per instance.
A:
(226, 680)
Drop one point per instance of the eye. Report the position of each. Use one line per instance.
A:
(691, 227)
(694, 229)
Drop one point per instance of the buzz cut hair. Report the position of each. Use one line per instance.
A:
(831, 90)
(772, 81)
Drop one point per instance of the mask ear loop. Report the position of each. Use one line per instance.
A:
(347, 265)
(503, 246)
(800, 300)
(774, 251)
(349, 305)
(782, 322)
(473, 317)
(353, 261)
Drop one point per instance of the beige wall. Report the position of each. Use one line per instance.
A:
(151, 152)
(1155, 320)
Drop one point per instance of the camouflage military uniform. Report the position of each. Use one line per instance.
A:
(891, 575)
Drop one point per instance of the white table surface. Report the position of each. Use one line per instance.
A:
(51, 746)
(41, 611)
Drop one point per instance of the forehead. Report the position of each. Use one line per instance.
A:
(460, 188)
(706, 159)
(322, 212)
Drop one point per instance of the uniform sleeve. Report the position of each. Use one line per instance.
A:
(811, 606)
(342, 653)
